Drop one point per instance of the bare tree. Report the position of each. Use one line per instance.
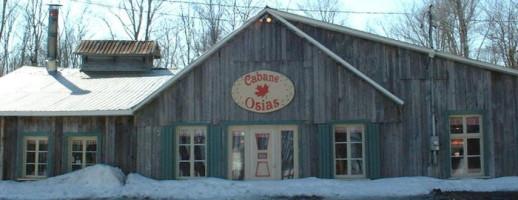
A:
(189, 31)
(240, 11)
(325, 10)
(503, 34)
(72, 32)
(140, 14)
(211, 15)
(453, 22)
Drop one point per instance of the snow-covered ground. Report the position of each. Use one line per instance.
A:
(102, 181)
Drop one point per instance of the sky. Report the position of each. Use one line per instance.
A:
(106, 182)
(365, 20)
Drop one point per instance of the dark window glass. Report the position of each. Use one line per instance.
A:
(199, 152)
(42, 157)
(43, 145)
(185, 169)
(356, 150)
(42, 170)
(473, 146)
(184, 152)
(31, 145)
(262, 140)
(199, 169)
(341, 167)
(30, 170)
(456, 165)
(30, 157)
(473, 124)
(340, 150)
(287, 166)
(340, 135)
(356, 167)
(456, 125)
(474, 165)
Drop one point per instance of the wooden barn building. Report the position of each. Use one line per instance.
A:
(283, 96)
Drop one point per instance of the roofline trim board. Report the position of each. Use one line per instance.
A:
(67, 113)
(338, 59)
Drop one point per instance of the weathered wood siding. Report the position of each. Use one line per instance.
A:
(325, 91)
(457, 87)
(117, 63)
(117, 140)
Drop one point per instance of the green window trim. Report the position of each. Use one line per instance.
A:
(21, 152)
(168, 149)
(66, 150)
(326, 148)
(446, 148)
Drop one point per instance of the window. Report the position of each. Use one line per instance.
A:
(466, 145)
(35, 156)
(82, 152)
(349, 151)
(191, 148)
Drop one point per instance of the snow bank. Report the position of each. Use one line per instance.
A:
(91, 182)
(102, 181)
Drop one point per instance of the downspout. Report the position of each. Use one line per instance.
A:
(434, 140)
(2, 139)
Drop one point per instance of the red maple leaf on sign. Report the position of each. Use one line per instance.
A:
(262, 90)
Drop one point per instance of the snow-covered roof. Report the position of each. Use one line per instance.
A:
(32, 91)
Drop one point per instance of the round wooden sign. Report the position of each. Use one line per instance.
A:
(263, 91)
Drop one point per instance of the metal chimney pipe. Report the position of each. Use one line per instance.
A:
(52, 40)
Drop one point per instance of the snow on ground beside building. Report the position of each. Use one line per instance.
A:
(102, 181)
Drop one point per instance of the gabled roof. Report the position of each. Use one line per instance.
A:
(32, 91)
(285, 17)
(297, 31)
(118, 48)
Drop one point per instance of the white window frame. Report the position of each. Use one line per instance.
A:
(37, 152)
(192, 131)
(83, 151)
(465, 136)
(348, 143)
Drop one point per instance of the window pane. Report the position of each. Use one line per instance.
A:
(31, 145)
(340, 135)
(474, 146)
(199, 169)
(30, 157)
(42, 157)
(199, 152)
(262, 140)
(90, 158)
(42, 170)
(199, 136)
(184, 169)
(77, 158)
(238, 155)
(340, 150)
(456, 125)
(356, 134)
(341, 167)
(356, 167)
(474, 165)
(43, 145)
(457, 166)
(473, 124)
(77, 145)
(91, 145)
(184, 137)
(287, 166)
(30, 170)
(457, 147)
(184, 152)
(356, 150)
